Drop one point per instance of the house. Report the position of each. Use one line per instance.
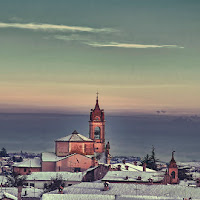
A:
(27, 166)
(74, 152)
(96, 173)
(142, 177)
(42, 179)
(70, 163)
(120, 191)
(27, 193)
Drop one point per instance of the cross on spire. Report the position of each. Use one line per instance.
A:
(97, 94)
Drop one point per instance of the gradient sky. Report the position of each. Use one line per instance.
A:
(141, 55)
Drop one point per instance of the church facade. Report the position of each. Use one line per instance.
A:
(76, 152)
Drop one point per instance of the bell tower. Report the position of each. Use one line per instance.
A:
(173, 170)
(97, 127)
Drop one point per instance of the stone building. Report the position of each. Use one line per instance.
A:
(75, 152)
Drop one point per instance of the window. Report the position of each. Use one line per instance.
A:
(173, 174)
(24, 169)
(32, 184)
(97, 132)
(77, 169)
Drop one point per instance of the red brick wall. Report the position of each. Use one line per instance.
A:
(72, 162)
(62, 148)
(26, 170)
(100, 146)
(48, 166)
(174, 180)
(66, 148)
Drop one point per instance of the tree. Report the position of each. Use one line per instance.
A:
(150, 160)
(3, 152)
(15, 180)
(55, 184)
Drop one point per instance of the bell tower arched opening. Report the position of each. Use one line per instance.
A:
(173, 174)
(97, 132)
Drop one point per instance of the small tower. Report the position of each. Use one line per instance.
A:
(97, 127)
(173, 170)
(107, 153)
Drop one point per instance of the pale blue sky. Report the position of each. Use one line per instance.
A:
(142, 55)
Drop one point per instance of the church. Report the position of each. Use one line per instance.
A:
(75, 152)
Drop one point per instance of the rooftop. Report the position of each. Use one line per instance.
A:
(13, 192)
(45, 176)
(51, 157)
(132, 176)
(131, 167)
(75, 137)
(134, 191)
(35, 162)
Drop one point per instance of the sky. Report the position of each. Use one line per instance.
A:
(140, 55)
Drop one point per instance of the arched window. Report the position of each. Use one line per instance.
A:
(97, 131)
(173, 174)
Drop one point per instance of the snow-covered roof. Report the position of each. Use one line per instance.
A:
(7, 195)
(131, 167)
(134, 191)
(75, 137)
(3, 179)
(189, 164)
(77, 197)
(132, 176)
(13, 192)
(47, 176)
(35, 162)
(51, 157)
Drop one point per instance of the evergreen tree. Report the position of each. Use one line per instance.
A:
(150, 160)
(3, 152)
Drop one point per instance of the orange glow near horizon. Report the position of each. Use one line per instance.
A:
(81, 97)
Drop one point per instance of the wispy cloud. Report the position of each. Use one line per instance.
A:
(90, 41)
(74, 37)
(128, 45)
(53, 27)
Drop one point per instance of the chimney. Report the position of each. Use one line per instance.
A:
(150, 180)
(119, 167)
(19, 193)
(144, 167)
(135, 163)
(126, 167)
(60, 190)
(106, 186)
(198, 182)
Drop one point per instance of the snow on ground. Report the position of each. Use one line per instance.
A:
(189, 164)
